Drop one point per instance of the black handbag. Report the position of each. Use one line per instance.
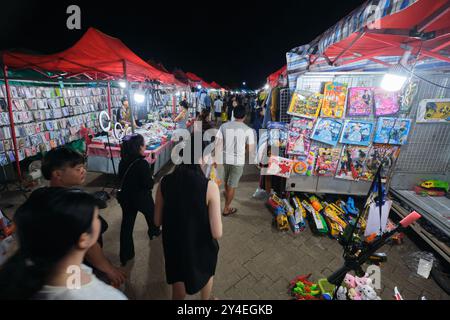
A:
(119, 193)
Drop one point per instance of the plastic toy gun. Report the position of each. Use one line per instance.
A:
(292, 216)
(300, 213)
(319, 221)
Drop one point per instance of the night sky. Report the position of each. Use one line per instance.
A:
(225, 41)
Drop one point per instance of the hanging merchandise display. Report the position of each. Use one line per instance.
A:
(299, 136)
(351, 163)
(332, 104)
(434, 111)
(327, 131)
(392, 130)
(386, 103)
(360, 102)
(307, 107)
(357, 132)
(327, 161)
(379, 154)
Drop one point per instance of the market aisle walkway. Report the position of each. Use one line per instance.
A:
(256, 261)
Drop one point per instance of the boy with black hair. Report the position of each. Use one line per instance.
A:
(64, 167)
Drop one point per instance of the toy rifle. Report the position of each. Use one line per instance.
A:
(355, 255)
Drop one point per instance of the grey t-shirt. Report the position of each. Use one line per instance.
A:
(235, 135)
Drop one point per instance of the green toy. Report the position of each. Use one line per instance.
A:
(437, 184)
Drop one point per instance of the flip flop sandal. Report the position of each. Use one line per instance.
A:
(229, 213)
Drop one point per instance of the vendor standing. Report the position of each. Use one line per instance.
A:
(181, 119)
(124, 114)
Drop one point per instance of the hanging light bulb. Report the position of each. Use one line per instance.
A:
(139, 97)
(122, 84)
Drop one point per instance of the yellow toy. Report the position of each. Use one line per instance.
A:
(316, 203)
(299, 207)
(282, 222)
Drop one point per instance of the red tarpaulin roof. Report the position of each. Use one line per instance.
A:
(395, 30)
(215, 85)
(195, 78)
(274, 77)
(95, 54)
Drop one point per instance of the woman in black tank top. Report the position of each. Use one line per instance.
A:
(188, 208)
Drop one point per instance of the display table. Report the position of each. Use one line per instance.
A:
(99, 157)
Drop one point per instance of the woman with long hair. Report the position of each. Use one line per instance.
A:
(135, 194)
(55, 228)
(188, 208)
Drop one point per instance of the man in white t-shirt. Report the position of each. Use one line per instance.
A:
(231, 142)
(218, 104)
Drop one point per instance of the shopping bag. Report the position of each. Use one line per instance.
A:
(224, 117)
(214, 176)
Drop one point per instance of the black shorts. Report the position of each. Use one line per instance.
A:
(217, 114)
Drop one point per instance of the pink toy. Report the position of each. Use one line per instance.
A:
(363, 281)
(350, 281)
(354, 294)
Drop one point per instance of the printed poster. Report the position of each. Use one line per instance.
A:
(380, 154)
(280, 167)
(307, 107)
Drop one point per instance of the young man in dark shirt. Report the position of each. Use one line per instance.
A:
(64, 167)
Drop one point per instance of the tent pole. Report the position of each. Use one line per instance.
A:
(128, 94)
(109, 99)
(11, 121)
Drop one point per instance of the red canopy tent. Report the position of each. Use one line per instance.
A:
(422, 27)
(197, 80)
(215, 85)
(96, 55)
(275, 77)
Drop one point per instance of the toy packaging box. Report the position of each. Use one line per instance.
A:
(333, 102)
(360, 102)
(299, 136)
(351, 163)
(280, 167)
(305, 107)
(278, 133)
(392, 130)
(327, 131)
(434, 110)
(357, 132)
(386, 103)
(379, 154)
(327, 161)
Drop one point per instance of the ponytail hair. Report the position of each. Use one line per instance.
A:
(49, 225)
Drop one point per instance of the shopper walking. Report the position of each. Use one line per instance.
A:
(231, 141)
(218, 105)
(135, 194)
(55, 228)
(65, 168)
(181, 118)
(188, 208)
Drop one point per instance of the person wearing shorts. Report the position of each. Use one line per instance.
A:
(232, 139)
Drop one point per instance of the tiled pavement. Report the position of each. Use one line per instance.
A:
(255, 260)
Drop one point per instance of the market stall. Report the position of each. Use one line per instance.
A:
(77, 85)
(372, 90)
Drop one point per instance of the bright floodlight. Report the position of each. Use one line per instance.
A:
(122, 84)
(266, 87)
(244, 83)
(199, 87)
(393, 82)
(139, 97)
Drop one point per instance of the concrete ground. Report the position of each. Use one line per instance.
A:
(255, 260)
